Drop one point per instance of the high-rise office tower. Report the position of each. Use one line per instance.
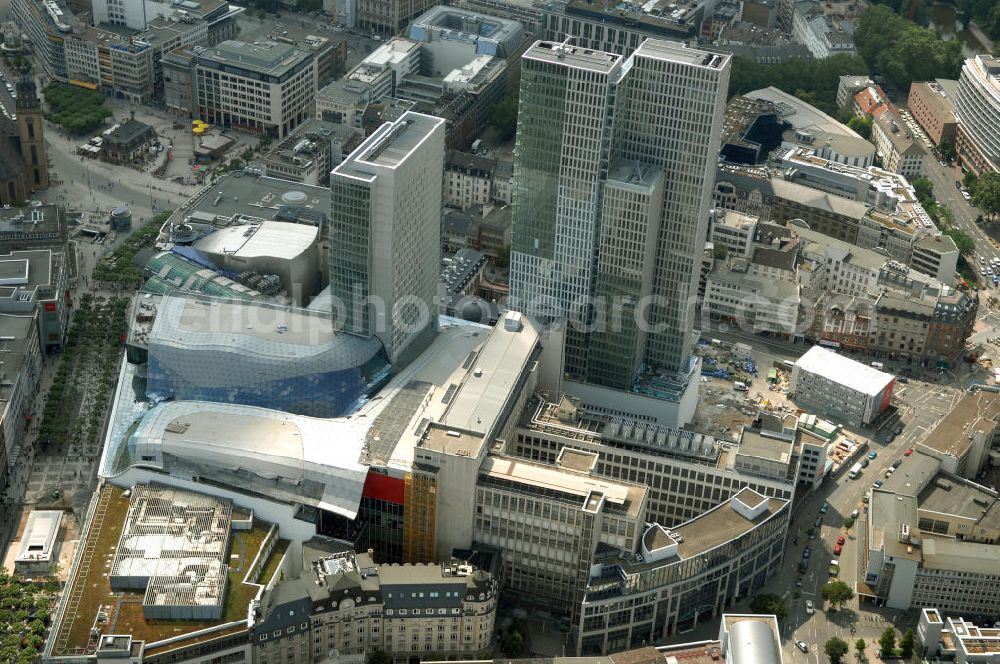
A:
(613, 177)
(385, 233)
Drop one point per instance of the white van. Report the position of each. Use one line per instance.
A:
(878, 365)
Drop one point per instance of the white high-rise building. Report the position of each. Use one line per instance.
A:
(385, 232)
(616, 155)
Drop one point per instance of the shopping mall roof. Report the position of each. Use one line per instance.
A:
(244, 196)
(91, 600)
(314, 459)
(170, 272)
(277, 239)
(844, 371)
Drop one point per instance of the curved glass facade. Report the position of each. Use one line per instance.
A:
(255, 354)
(978, 103)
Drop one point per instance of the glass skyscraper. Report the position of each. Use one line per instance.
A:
(613, 175)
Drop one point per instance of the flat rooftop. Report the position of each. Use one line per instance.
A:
(388, 146)
(280, 327)
(950, 495)
(845, 371)
(13, 344)
(719, 525)
(573, 57)
(974, 412)
(548, 478)
(89, 590)
(680, 52)
(253, 197)
(264, 57)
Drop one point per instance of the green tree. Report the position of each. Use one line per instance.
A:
(887, 643)
(78, 110)
(503, 116)
(947, 149)
(924, 190)
(966, 245)
(814, 81)
(837, 593)
(862, 125)
(902, 51)
(835, 648)
(969, 180)
(986, 193)
(906, 645)
(719, 252)
(379, 656)
(859, 649)
(848, 522)
(513, 643)
(767, 603)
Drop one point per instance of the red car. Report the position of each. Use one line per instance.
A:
(837, 549)
(841, 540)
(908, 452)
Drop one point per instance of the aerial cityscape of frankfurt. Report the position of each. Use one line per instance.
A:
(499, 331)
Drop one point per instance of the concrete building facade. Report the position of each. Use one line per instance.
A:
(386, 221)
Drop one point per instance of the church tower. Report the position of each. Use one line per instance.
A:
(31, 131)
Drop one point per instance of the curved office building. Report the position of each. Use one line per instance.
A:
(977, 106)
(681, 576)
(257, 354)
(284, 458)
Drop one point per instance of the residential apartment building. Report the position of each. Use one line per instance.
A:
(386, 221)
(932, 105)
(682, 576)
(344, 602)
(22, 367)
(468, 180)
(848, 86)
(977, 108)
(565, 91)
(264, 88)
(899, 151)
(38, 284)
(849, 392)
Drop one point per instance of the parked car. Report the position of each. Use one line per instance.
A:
(823, 508)
(837, 549)
(806, 552)
(895, 464)
(810, 609)
(878, 484)
(818, 522)
(908, 452)
(888, 473)
(841, 539)
(802, 645)
(872, 455)
(902, 379)
(898, 430)
(855, 514)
